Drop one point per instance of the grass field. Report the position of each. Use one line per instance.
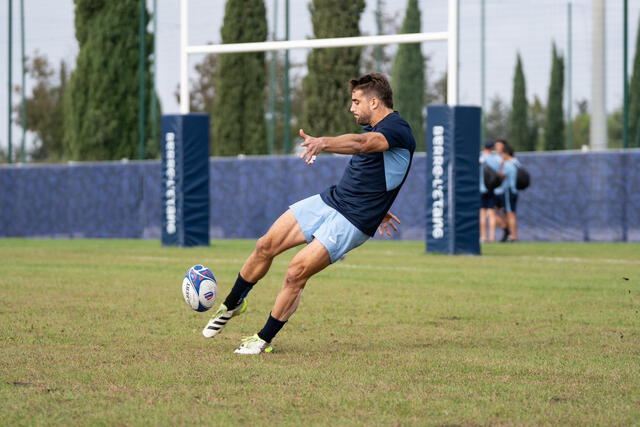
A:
(96, 332)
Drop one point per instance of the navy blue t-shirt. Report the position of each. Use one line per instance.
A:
(371, 181)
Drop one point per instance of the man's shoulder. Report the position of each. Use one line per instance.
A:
(394, 125)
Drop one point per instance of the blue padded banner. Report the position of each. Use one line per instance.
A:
(452, 187)
(574, 196)
(185, 180)
(439, 152)
(466, 180)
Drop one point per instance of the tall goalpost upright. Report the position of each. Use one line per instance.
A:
(450, 36)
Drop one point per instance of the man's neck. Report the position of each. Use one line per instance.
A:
(378, 118)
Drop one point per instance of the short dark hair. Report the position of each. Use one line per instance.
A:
(489, 145)
(509, 150)
(376, 84)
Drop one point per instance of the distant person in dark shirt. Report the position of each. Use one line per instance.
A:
(339, 219)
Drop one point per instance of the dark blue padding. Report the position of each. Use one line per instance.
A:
(438, 214)
(573, 197)
(452, 181)
(466, 173)
(185, 180)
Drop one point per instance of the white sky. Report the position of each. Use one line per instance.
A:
(525, 26)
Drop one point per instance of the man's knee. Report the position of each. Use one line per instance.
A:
(265, 247)
(295, 276)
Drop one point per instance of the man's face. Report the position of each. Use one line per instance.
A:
(499, 147)
(360, 107)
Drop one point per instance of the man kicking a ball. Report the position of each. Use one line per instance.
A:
(339, 219)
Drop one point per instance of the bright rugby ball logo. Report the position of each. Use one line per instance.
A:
(199, 288)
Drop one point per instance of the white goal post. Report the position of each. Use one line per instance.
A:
(451, 36)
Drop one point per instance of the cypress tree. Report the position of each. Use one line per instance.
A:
(101, 103)
(519, 133)
(239, 122)
(326, 86)
(407, 76)
(554, 129)
(634, 97)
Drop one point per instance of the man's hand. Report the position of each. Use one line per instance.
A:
(387, 222)
(312, 147)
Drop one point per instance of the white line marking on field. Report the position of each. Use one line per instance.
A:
(491, 257)
(571, 259)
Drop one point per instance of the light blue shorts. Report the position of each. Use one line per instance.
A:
(334, 231)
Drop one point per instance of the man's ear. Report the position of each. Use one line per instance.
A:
(374, 103)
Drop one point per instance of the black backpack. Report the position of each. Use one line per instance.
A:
(522, 179)
(491, 178)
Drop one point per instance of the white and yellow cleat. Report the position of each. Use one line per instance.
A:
(221, 317)
(254, 345)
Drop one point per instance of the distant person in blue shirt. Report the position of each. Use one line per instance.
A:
(501, 222)
(507, 193)
(490, 159)
(339, 219)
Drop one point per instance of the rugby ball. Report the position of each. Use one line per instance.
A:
(199, 288)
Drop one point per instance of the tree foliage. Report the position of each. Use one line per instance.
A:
(497, 119)
(102, 106)
(554, 129)
(537, 120)
(326, 86)
(239, 123)
(408, 76)
(634, 97)
(45, 112)
(202, 92)
(581, 124)
(519, 133)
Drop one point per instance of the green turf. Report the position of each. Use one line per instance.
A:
(96, 332)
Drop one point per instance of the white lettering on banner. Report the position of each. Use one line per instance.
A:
(437, 184)
(170, 184)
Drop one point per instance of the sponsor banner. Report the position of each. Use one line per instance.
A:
(185, 179)
(453, 199)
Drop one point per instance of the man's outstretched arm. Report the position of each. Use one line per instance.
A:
(351, 143)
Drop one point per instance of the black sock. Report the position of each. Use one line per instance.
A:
(238, 292)
(271, 328)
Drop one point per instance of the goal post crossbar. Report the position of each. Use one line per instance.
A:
(318, 43)
(450, 36)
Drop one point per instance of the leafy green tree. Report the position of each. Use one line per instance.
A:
(295, 90)
(101, 104)
(436, 92)
(202, 94)
(519, 133)
(239, 122)
(326, 86)
(634, 97)
(497, 119)
(581, 124)
(408, 76)
(614, 128)
(537, 122)
(554, 129)
(45, 113)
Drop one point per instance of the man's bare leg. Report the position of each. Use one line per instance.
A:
(513, 225)
(284, 234)
(304, 264)
(483, 224)
(491, 213)
(309, 261)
